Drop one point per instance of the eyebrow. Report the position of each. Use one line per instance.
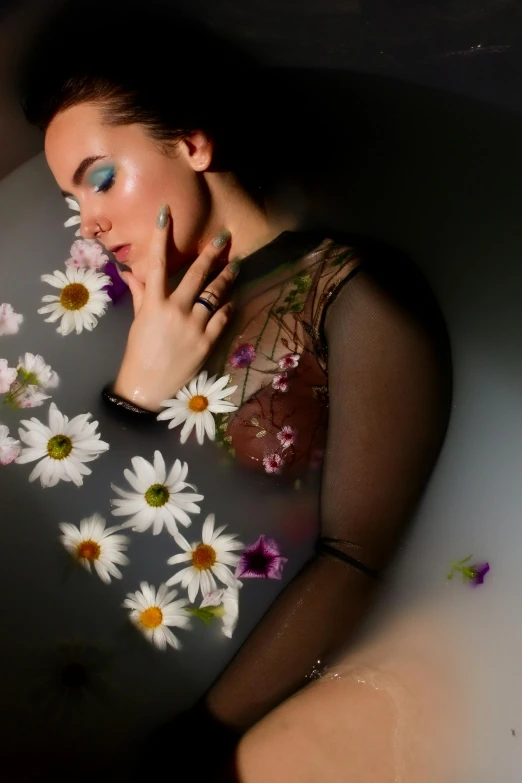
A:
(80, 171)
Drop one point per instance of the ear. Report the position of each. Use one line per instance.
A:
(198, 149)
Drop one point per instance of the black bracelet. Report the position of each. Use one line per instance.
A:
(124, 405)
(323, 546)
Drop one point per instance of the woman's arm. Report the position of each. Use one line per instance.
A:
(389, 383)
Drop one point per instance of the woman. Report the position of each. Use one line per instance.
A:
(337, 349)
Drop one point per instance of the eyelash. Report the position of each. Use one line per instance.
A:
(105, 185)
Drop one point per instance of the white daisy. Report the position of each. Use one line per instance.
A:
(93, 544)
(196, 403)
(81, 302)
(158, 499)
(36, 372)
(209, 558)
(153, 612)
(9, 320)
(62, 448)
(75, 219)
(226, 603)
(9, 447)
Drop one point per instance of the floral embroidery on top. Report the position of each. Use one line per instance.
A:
(279, 365)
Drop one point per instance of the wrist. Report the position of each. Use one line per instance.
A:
(130, 386)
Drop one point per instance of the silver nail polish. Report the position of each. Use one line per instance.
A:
(235, 266)
(163, 216)
(221, 239)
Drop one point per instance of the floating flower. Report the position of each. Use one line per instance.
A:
(88, 254)
(223, 604)
(474, 574)
(243, 356)
(262, 560)
(119, 287)
(62, 448)
(153, 612)
(289, 362)
(209, 558)
(75, 219)
(273, 463)
(81, 302)
(94, 545)
(36, 372)
(21, 396)
(286, 436)
(9, 320)
(158, 499)
(195, 405)
(280, 382)
(7, 376)
(9, 447)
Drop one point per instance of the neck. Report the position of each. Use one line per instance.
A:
(233, 208)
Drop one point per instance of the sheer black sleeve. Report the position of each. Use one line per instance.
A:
(389, 377)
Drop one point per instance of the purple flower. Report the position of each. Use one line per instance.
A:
(262, 560)
(243, 356)
(479, 572)
(118, 287)
(473, 574)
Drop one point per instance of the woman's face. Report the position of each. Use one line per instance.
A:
(120, 178)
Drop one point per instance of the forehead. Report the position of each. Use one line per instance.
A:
(78, 133)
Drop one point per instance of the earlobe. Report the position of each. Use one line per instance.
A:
(198, 149)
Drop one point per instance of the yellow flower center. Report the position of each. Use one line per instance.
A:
(151, 617)
(89, 550)
(59, 447)
(74, 296)
(198, 403)
(203, 557)
(157, 495)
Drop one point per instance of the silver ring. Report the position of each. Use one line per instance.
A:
(206, 304)
(210, 293)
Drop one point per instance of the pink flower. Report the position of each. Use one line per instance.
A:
(8, 376)
(27, 397)
(280, 382)
(9, 320)
(262, 560)
(286, 436)
(243, 356)
(9, 447)
(273, 463)
(290, 361)
(87, 253)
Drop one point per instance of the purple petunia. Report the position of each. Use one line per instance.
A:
(118, 287)
(243, 356)
(262, 560)
(479, 572)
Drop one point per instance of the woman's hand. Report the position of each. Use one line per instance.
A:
(172, 334)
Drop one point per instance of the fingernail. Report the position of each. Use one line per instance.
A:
(235, 266)
(163, 216)
(222, 238)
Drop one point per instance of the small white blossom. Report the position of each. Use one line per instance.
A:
(9, 320)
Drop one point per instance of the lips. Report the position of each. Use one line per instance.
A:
(121, 252)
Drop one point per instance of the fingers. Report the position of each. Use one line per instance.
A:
(156, 278)
(136, 288)
(196, 275)
(218, 321)
(216, 292)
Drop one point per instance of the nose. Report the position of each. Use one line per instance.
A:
(92, 227)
